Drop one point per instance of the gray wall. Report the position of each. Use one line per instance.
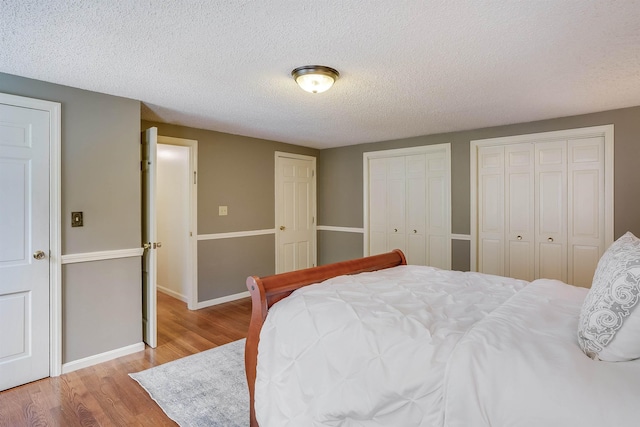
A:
(100, 176)
(340, 178)
(237, 172)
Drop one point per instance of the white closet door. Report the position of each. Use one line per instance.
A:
(416, 210)
(551, 210)
(491, 210)
(396, 204)
(519, 218)
(377, 206)
(438, 218)
(586, 235)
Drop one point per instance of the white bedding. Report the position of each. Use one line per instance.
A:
(522, 367)
(369, 349)
(417, 346)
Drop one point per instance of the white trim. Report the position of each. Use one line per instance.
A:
(234, 234)
(101, 255)
(278, 205)
(192, 298)
(55, 240)
(222, 300)
(341, 229)
(606, 131)
(102, 357)
(460, 237)
(172, 293)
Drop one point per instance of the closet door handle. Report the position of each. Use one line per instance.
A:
(519, 237)
(415, 231)
(550, 239)
(395, 230)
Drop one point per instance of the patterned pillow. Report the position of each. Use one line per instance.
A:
(609, 326)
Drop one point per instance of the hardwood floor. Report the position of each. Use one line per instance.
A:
(104, 394)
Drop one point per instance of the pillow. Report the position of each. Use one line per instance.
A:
(609, 325)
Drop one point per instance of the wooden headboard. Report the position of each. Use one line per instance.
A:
(266, 291)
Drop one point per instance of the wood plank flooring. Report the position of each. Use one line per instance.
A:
(104, 394)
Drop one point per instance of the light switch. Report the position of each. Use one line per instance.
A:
(222, 210)
(76, 219)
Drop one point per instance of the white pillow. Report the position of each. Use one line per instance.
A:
(609, 326)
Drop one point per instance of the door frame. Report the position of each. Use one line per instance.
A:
(192, 263)
(605, 131)
(278, 155)
(55, 263)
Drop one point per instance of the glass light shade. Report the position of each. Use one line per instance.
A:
(315, 78)
(315, 83)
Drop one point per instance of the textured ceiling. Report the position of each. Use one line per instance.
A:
(407, 68)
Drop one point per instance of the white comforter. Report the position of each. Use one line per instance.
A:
(369, 349)
(417, 346)
(521, 367)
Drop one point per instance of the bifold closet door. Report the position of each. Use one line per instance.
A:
(416, 209)
(541, 209)
(409, 199)
(519, 211)
(436, 211)
(551, 210)
(491, 210)
(586, 208)
(387, 204)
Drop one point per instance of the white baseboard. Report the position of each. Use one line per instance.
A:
(221, 300)
(172, 293)
(102, 357)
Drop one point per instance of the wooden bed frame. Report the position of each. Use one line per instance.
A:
(266, 291)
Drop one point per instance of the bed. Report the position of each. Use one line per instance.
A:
(376, 342)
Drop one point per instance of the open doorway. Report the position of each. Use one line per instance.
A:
(176, 218)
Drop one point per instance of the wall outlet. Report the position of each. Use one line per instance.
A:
(222, 210)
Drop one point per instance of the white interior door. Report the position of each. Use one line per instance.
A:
(149, 155)
(24, 245)
(295, 212)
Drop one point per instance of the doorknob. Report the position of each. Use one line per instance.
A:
(38, 255)
(550, 239)
(146, 246)
(519, 237)
(415, 231)
(282, 227)
(395, 230)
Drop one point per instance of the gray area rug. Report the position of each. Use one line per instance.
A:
(205, 389)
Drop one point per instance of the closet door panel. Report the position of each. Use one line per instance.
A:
(586, 205)
(519, 205)
(438, 252)
(491, 210)
(377, 206)
(438, 219)
(551, 211)
(416, 210)
(396, 203)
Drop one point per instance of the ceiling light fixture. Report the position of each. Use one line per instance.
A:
(315, 78)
